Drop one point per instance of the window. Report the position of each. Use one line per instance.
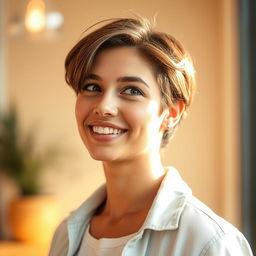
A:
(248, 115)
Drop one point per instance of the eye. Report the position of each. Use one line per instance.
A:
(133, 91)
(90, 88)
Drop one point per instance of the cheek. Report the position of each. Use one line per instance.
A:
(80, 109)
(153, 108)
(144, 117)
(80, 114)
(154, 118)
(77, 111)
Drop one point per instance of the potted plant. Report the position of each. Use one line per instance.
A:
(32, 216)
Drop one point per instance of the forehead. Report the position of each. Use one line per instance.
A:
(123, 61)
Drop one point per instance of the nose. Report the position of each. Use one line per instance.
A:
(106, 106)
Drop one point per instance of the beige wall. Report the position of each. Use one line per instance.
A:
(205, 149)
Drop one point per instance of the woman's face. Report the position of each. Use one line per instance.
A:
(118, 107)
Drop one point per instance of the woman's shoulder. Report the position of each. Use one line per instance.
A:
(198, 215)
(199, 223)
(59, 243)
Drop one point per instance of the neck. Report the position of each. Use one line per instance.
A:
(132, 185)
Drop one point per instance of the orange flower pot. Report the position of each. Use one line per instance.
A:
(33, 218)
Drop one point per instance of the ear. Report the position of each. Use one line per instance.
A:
(173, 115)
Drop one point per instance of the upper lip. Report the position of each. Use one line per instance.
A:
(106, 124)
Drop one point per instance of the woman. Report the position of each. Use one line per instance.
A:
(134, 85)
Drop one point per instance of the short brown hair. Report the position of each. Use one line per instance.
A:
(173, 64)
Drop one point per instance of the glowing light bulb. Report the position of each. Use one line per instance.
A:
(54, 20)
(35, 16)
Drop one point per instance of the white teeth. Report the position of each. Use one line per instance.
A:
(105, 130)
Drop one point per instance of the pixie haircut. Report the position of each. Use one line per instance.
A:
(174, 71)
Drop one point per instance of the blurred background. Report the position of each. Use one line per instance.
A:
(214, 147)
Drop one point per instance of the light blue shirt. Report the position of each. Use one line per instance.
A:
(177, 224)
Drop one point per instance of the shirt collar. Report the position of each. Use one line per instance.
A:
(80, 218)
(164, 213)
(169, 203)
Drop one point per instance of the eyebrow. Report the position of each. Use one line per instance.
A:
(132, 79)
(121, 79)
(92, 76)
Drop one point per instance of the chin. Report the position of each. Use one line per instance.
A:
(104, 157)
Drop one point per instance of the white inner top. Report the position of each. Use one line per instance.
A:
(102, 247)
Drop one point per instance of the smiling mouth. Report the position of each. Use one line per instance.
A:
(106, 130)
